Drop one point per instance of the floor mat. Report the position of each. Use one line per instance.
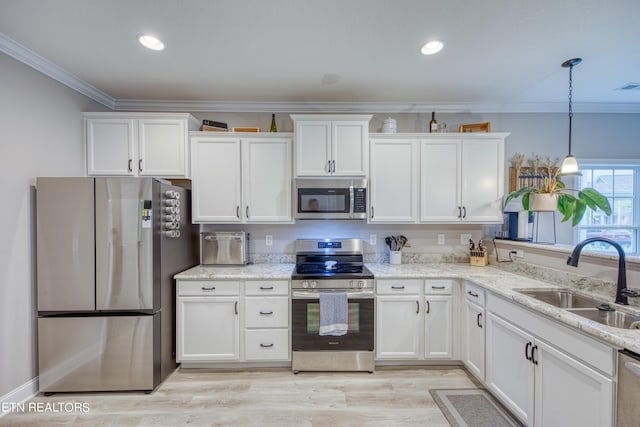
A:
(472, 407)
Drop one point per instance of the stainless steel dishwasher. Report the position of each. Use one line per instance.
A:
(628, 389)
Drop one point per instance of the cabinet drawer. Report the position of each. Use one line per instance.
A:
(208, 287)
(474, 293)
(271, 287)
(267, 344)
(398, 287)
(266, 312)
(443, 287)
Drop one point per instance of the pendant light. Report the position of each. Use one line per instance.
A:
(570, 164)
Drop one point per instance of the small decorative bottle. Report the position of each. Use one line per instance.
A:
(433, 124)
(273, 123)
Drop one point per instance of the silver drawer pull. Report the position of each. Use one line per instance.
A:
(397, 287)
(473, 294)
(269, 345)
(437, 287)
(266, 312)
(266, 288)
(212, 288)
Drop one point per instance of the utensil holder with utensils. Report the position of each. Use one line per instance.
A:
(395, 244)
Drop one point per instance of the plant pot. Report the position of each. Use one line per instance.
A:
(543, 202)
(395, 257)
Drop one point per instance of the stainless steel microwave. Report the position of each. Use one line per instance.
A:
(331, 198)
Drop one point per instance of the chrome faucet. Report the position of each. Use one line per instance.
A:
(622, 292)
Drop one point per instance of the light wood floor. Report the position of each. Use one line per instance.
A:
(389, 397)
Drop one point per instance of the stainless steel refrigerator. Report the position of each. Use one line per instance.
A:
(107, 250)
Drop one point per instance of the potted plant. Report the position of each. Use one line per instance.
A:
(552, 194)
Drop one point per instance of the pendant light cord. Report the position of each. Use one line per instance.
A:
(570, 109)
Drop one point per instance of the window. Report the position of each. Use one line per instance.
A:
(620, 184)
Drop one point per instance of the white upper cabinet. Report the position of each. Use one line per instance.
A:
(482, 180)
(331, 145)
(216, 179)
(462, 178)
(110, 146)
(440, 177)
(138, 144)
(393, 189)
(238, 179)
(266, 172)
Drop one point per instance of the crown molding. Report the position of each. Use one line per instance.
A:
(48, 68)
(368, 107)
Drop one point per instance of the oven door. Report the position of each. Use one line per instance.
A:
(306, 324)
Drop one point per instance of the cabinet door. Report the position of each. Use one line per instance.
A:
(474, 339)
(313, 147)
(266, 168)
(110, 146)
(482, 180)
(569, 393)
(207, 329)
(398, 327)
(440, 181)
(393, 181)
(509, 372)
(438, 324)
(215, 176)
(162, 147)
(349, 147)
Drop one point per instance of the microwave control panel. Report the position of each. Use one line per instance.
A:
(360, 200)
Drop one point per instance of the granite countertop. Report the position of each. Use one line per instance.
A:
(497, 281)
(506, 285)
(239, 272)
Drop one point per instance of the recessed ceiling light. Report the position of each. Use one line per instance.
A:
(151, 42)
(431, 47)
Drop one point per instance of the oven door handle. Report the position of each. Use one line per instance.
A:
(316, 295)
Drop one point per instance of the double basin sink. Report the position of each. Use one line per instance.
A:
(593, 309)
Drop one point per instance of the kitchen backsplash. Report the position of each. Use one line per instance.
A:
(422, 238)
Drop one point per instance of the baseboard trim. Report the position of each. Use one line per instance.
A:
(17, 396)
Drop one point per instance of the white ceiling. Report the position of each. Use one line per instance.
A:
(499, 55)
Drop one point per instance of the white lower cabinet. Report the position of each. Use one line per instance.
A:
(225, 321)
(398, 326)
(207, 328)
(568, 392)
(414, 319)
(473, 341)
(438, 327)
(541, 384)
(510, 372)
(266, 321)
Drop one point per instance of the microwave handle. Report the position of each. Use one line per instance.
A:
(351, 201)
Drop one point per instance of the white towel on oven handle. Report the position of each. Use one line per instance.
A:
(334, 313)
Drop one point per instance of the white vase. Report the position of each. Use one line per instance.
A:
(543, 202)
(395, 257)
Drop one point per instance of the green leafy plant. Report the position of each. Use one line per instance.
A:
(572, 203)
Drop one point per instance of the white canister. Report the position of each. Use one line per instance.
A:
(389, 126)
(395, 257)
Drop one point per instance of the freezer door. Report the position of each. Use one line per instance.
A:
(65, 244)
(124, 244)
(106, 353)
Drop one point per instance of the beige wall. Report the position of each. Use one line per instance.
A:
(40, 135)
